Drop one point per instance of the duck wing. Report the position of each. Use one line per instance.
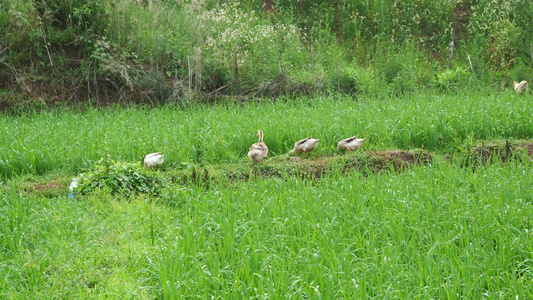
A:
(152, 155)
(301, 142)
(349, 140)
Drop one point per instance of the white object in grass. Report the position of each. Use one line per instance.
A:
(350, 144)
(153, 160)
(259, 150)
(520, 87)
(306, 145)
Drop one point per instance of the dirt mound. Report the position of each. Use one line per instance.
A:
(399, 160)
(529, 148)
(316, 166)
(48, 189)
(490, 154)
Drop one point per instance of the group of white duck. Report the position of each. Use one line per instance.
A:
(259, 150)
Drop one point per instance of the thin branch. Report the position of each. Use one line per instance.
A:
(451, 54)
(470, 62)
(220, 88)
(190, 76)
(236, 74)
(282, 76)
(280, 70)
(48, 51)
(451, 48)
(18, 78)
(338, 77)
(3, 51)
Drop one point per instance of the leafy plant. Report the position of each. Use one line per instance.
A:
(120, 177)
(257, 43)
(405, 79)
(496, 24)
(450, 78)
(390, 69)
(354, 80)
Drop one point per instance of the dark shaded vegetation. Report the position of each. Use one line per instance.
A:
(102, 52)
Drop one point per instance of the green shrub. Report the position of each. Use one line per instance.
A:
(115, 62)
(405, 80)
(153, 88)
(120, 177)
(348, 80)
(451, 78)
(390, 69)
(20, 103)
(132, 49)
(354, 80)
(399, 75)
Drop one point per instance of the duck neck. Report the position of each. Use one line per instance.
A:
(260, 136)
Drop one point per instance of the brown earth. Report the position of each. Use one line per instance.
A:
(500, 153)
(46, 189)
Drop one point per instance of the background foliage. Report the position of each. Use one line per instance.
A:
(150, 51)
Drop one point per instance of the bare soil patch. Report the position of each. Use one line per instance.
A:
(399, 160)
(494, 153)
(47, 189)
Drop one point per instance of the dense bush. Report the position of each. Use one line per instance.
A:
(448, 79)
(120, 177)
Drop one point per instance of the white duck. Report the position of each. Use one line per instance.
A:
(153, 159)
(520, 87)
(306, 145)
(259, 150)
(350, 144)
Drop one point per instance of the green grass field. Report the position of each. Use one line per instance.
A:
(442, 230)
(68, 140)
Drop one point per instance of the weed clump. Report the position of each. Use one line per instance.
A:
(120, 177)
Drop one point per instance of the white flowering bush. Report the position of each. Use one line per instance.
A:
(258, 43)
(500, 25)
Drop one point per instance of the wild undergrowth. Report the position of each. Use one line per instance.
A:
(159, 52)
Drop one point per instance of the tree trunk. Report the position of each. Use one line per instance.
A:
(268, 7)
